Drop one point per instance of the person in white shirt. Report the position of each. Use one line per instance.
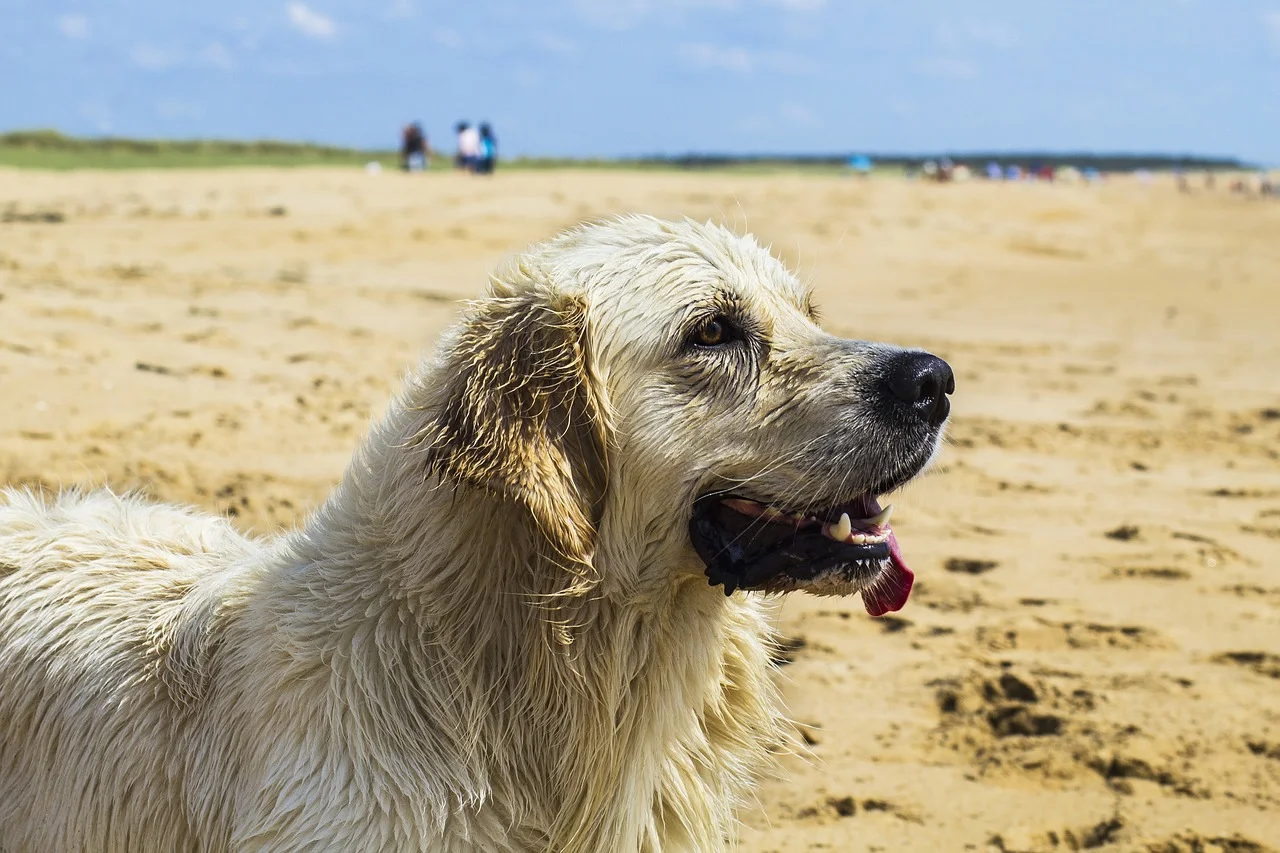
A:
(468, 146)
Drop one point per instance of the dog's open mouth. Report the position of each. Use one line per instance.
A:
(839, 550)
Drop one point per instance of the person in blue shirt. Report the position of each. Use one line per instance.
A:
(488, 150)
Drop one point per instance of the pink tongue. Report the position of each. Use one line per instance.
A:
(891, 589)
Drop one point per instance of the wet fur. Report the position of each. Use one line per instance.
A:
(493, 636)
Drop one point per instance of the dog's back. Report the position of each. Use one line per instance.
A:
(109, 611)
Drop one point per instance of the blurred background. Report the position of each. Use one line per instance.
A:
(610, 78)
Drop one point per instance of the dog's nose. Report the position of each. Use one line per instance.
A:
(923, 382)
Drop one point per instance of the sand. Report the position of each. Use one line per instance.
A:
(1092, 656)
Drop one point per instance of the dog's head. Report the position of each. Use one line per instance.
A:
(661, 401)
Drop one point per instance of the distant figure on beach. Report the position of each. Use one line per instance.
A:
(413, 148)
(468, 155)
(488, 153)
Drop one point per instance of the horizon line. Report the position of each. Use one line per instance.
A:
(32, 136)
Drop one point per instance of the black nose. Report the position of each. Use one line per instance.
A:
(923, 382)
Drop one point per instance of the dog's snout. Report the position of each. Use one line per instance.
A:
(923, 382)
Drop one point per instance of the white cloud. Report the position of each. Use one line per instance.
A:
(615, 14)
(402, 10)
(175, 109)
(1272, 21)
(152, 58)
(552, 43)
(799, 5)
(250, 34)
(995, 34)
(714, 57)
(311, 23)
(446, 37)
(217, 55)
(625, 14)
(739, 60)
(951, 69)
(74, 26)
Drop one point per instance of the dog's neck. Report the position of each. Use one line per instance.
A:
(610, 725)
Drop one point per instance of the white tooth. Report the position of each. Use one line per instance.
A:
(841, 529)
(882, 518)
(859, 539)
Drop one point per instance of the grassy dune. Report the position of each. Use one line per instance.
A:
(52, 150)
(44, 149)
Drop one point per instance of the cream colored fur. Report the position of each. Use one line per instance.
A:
(493, 636)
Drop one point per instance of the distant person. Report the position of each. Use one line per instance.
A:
(468, 155)
(994, 172)
(487, 156)
(413, 148)
(946, 170)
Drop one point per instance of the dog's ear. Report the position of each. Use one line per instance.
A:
(521, 414)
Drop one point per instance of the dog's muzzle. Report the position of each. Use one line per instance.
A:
(850, 548)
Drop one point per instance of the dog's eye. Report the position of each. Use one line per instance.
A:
(714, 332)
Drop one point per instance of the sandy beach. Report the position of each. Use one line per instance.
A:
(1092, 657)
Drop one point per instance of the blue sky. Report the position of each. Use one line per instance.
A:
(610, 77)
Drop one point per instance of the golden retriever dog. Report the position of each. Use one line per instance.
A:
(534, 614)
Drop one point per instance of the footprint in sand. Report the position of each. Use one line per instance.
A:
(1265, 664)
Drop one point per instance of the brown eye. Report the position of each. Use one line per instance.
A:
(715, 332)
